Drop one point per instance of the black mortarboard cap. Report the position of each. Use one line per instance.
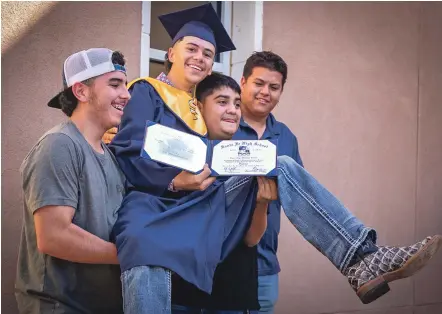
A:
(201, 22)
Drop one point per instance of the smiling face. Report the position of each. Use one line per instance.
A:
(105, 98)
(192, 59)
(261, 91)
(222, 113)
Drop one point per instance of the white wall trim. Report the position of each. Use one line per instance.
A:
(247, 33)
(225, 57)
(145, 38)
(157, 54)
(259, 22)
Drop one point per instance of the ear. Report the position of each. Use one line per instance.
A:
(81, 92)
(242, 83)
(171, 54)
(211, 70)
(200, 106)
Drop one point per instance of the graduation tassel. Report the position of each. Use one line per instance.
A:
(193, 103)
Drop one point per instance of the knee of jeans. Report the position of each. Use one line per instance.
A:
(284, 161)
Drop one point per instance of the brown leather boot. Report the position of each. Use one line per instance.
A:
(370, 277)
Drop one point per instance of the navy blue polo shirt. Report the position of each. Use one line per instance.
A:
(287, 145)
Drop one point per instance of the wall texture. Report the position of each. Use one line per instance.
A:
(31, 74)
(363, 96)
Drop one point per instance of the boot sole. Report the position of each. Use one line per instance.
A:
(377, 287)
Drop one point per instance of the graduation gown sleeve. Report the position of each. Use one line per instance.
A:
(142, 174)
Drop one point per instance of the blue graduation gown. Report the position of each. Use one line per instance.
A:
(186, 232)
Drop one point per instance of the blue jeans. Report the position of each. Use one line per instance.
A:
(268, 293)
(317, 214)
(147, 289)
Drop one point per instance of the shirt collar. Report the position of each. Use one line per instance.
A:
(163, 78)
(272, 127)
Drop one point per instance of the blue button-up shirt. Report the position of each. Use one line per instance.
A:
(287, 145)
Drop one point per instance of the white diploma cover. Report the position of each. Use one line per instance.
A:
(225, 158)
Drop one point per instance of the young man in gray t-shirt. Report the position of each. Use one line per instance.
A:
(73, 189)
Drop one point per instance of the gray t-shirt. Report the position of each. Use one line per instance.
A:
(63, 169)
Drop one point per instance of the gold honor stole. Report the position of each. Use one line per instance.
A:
(182, 104)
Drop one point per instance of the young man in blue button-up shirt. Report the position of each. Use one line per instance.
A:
(262, 84)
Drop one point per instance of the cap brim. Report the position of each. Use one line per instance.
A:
(55, 101)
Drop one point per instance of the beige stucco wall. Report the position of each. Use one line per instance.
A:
(18, 17)
(364, 98)
(36, 38)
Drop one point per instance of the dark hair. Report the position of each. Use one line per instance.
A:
(67, 98)
(118, 58)
(68, 101)
(167, 63)
(214, 82)
(268, 60)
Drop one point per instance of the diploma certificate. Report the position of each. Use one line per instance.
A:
(225, 158)
(254, 158)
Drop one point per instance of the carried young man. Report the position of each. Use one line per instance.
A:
(73, 189)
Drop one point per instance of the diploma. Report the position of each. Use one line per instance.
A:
(252, 158)
(225, 158)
